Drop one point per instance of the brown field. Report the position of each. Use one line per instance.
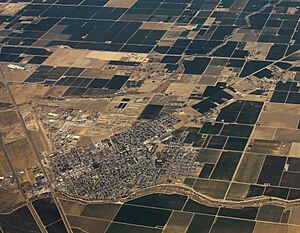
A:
(10, 196)
(287, 108)
(294, 216)
(10, 9)
(259, 50)
(71, 207)
(189, 182)
(180, 89)
(91, 73)
(87, 224)
(150, 85)
(40, 141)
(101, 211)
(67, 57)
(4, 97)
(4, 166)
(243, 85)
(15, 75)
(213, 188)
(295, 150)
(20, 154)
(56, 91)
(36, 130)
(250, 36)
(237, 191)
(84, 140)
(266, 147)
(88, 59)
(70, 57)
(93, 211)
(178, 222)
(258, 98)
(87, 104)
(8, 118)
(26, 92)
(250, 167)
(208, 80)
(214, 70)
(154, 25)
(120, 3)
(173, 33)
(161, 99)
(108, 124)
(264, 133)
(279, 119)
(237, 37)
(287, 135)
(13, 133)
(262, 227)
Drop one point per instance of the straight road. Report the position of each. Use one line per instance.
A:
(34, 150)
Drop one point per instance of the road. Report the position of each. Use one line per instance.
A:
(196, 196)
(35, 152)
(15, 178)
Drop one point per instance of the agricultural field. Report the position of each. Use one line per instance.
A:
(149, 116)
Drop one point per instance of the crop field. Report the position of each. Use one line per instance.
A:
(117, 115)
(175, 213)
